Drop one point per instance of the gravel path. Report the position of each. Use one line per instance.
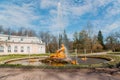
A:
(54, 74)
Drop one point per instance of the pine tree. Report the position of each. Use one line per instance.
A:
(100, 38)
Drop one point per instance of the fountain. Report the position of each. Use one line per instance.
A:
(59, 57)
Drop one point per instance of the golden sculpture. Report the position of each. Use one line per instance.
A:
(59, 58)
(84, 58)
(74, 62)
(60, 54)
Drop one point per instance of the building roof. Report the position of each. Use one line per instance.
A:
(24, 39)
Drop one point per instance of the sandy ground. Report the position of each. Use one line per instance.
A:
(54, 74)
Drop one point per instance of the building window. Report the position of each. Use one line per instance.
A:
(8, 37)
(9, 48)
(21, 39)
(28, 49)
(22, 49)
(1, 48)
(15, 49)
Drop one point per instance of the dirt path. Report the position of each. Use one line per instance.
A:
(54, 74)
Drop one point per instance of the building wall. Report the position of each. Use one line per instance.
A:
(15, 45)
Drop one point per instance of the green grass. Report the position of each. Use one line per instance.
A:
(114, 53)
(13, 56)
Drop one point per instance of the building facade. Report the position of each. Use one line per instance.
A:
(21, 45)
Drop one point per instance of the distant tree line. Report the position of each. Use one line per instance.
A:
(86, 40)
(82, 40)
(54, 42)
(17, 32)
(112, 42)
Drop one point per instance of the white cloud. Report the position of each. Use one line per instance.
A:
(109, 23)
(114, 9)
(81, 10)
(111, 27)
(17, 16)
(24, 15)
(48, 3)
(106, 26)
(57, 20)
(89, 6)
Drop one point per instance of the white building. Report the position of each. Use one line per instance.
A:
(20, 45)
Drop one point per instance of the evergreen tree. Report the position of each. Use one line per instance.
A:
(100, 38)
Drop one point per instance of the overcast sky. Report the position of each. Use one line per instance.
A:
(57, 15)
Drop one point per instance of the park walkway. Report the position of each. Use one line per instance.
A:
(55, 74)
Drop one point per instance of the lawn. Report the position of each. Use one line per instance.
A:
(13, 56)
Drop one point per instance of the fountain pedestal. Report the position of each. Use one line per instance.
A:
(58, 55)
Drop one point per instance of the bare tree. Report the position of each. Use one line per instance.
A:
(46, 37)
(20, 32)
(1, 29)
(96, 47)
(81, 40)
(89, 28)
(31, 33)
(113, 41)
(53, 45)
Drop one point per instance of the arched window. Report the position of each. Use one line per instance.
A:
(9, 48)
(21, 39)
(15, 49)
(22, 49)
(1, 48)
(8, 37)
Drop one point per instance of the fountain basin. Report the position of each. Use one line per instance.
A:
(34, 61)
(38, 61)
(92, 60)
